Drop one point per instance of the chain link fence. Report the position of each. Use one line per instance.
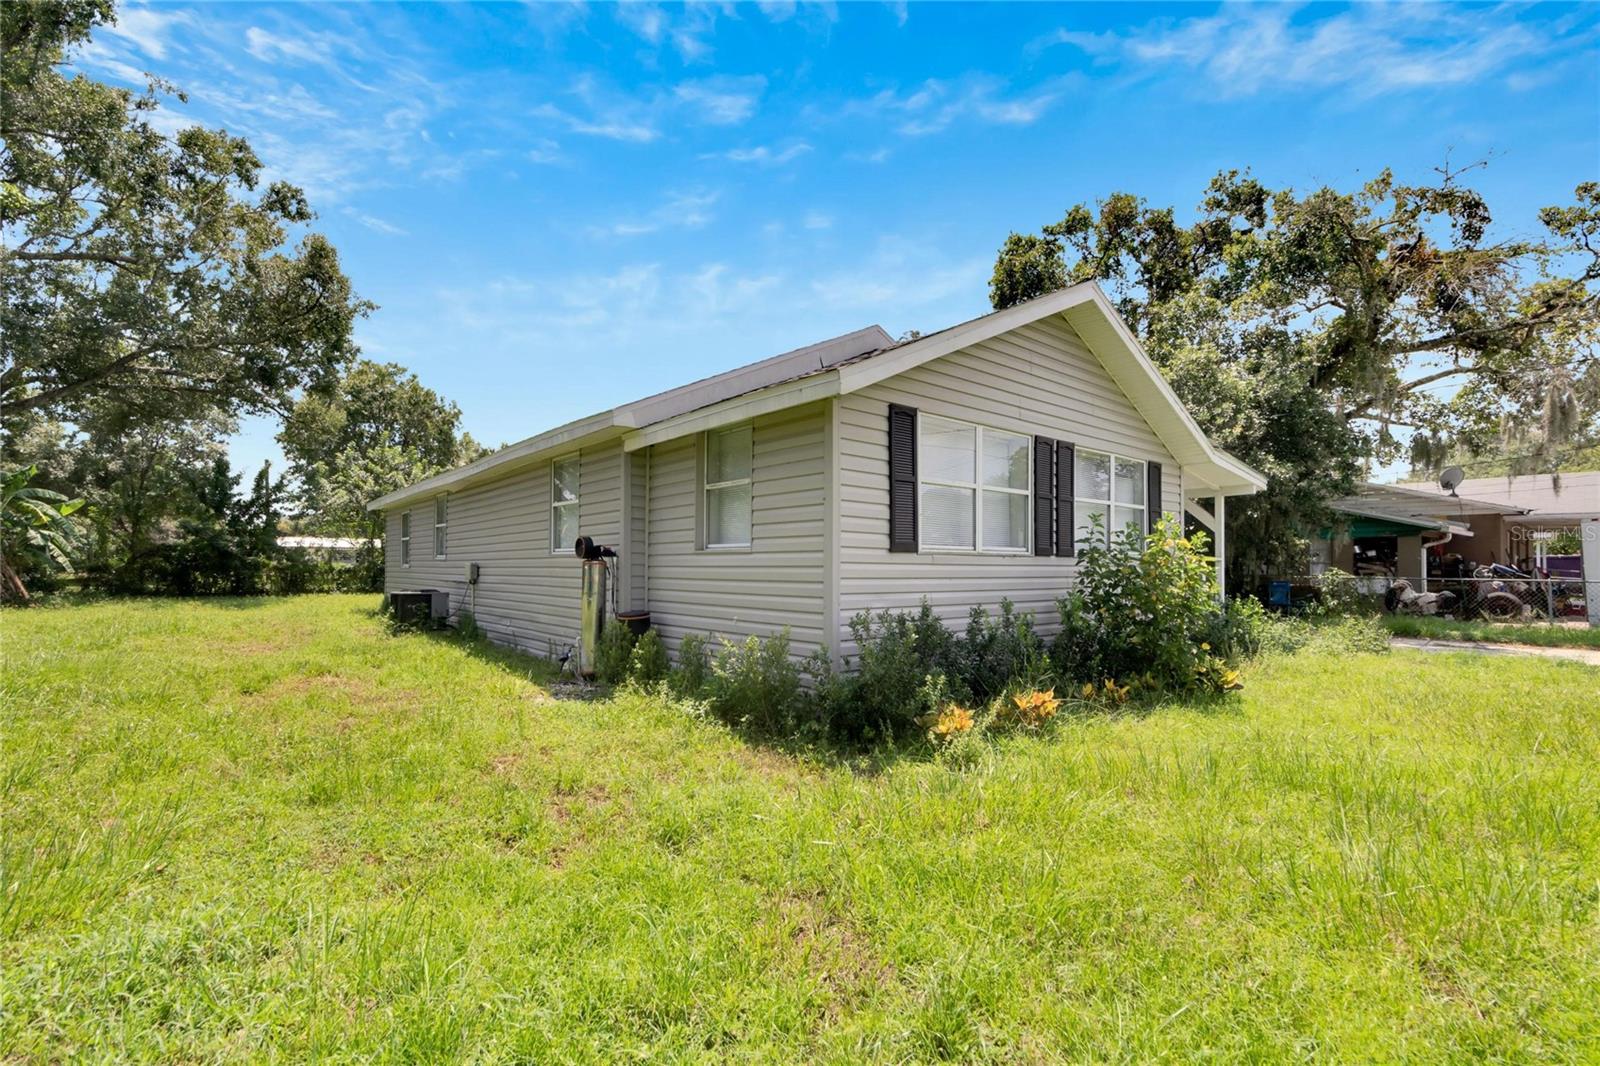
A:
(1499, 598)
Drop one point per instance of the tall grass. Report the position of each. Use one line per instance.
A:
(249, 829)
(1543, 634)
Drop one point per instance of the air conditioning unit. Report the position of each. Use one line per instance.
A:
(423, 607)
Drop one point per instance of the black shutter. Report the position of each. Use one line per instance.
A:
(1152, 495)
(902, 478)
(1066, 527)
(1044, 496)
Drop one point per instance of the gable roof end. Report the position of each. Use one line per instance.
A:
(1085, 307)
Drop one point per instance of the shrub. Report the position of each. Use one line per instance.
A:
(648, 663)
(755, 684)
(468, 627)
(1147, 604)
(1001, 651)
(1242, 629)
(694, 666)
(612, 653)
(1338, 593)
(897, 656)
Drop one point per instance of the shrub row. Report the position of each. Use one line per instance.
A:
(1143, 620)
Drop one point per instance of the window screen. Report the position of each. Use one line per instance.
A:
(727, 487)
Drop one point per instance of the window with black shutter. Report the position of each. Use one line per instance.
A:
(1044, 496)
(1152, 495)
(1066, 539)
(902, 478)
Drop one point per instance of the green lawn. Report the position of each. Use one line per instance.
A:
(1544, 634)
(271, 829)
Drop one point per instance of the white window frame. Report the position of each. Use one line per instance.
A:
(405, 538)
(707, 487)
(1110, 504)
(979, 489)
(556, 505)
(441, 526)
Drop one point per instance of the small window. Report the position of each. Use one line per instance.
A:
(405, 538)
(441, 514)
(727, 481)
(1111, 487)
(563, 504)
(973, 486)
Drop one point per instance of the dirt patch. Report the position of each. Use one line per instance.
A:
(831, 948)
(565, 806)
(504, 764)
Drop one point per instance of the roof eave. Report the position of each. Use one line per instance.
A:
(584, 431)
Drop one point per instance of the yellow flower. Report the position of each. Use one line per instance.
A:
(952, 720)
(1034, 708)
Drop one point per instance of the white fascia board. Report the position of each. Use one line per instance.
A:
(507, 460)
(739, 409)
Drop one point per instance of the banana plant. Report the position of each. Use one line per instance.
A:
(35, 524)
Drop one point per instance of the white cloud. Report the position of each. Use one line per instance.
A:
(817, 220)
(680, 210)
(764, 155)
(722, 101)
(612, 127)
(936, 104)
(876, 155)
(376, 224)
(146, 29)
(545, 150)
(1367, 49)
(272, 47)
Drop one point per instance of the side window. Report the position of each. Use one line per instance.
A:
(405, 538)
(563, 503)
(728, 454)
(973, 486)
(1111, 487)
(441, 515)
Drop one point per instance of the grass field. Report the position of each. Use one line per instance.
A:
(1546, 635)
(271, 829)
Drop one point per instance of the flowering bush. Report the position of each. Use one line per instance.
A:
(949, 723)
(1144, 606)
(1030, 709)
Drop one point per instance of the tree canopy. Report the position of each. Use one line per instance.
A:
(1312, 333)
(377, 430)
(151, 268)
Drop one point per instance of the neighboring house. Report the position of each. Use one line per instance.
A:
(1386, 531)
(334, 549)
(854, 474)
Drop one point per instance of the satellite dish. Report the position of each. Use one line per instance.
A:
(1452, 477)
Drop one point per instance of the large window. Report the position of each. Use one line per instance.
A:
(441, 515)
(563, 504)
(973, 486)
(727, 482)
(405, 538)
(1111, 487)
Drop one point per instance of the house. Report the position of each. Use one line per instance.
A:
(856, 473)
(1408, 530)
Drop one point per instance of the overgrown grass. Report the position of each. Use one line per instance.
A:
(1546, 635)
(273, 829)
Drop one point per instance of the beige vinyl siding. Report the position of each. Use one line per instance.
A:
(635, 556)
(1039, 380)
(779, 580)
(527, 596)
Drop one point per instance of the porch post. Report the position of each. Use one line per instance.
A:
(1221, 548)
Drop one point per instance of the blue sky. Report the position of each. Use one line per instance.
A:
(563, 207)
